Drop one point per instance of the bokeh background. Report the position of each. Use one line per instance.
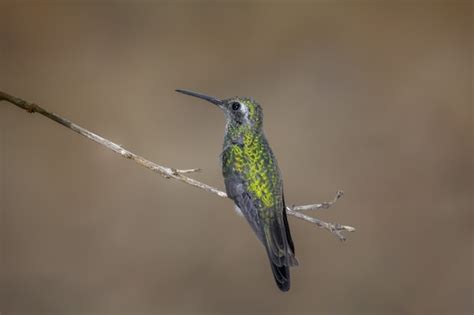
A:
(370, 97)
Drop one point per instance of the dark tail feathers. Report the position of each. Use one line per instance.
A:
(282, 273)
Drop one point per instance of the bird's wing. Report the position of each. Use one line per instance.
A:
(272, 229)
(235, 187)
(277, 234)
(287, 231)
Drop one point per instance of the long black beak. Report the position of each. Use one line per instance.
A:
(211, 99)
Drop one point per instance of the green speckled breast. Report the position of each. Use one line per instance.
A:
(253, 160)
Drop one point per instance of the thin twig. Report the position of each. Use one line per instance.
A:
(168, 172)
(322, 205)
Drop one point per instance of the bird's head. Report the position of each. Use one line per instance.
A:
(238, 110)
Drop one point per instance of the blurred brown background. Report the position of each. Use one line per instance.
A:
(375, 99)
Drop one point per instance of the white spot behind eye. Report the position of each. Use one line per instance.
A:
(245, 110)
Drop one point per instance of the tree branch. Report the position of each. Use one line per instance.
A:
(322, 205)
(177, 174)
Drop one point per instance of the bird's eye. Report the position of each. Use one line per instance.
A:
(235, 106)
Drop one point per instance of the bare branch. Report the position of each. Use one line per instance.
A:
(177, 174)
(162, 170)
(334, 228)
(322, 205)
(191, 170)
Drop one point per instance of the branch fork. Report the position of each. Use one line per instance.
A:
(178, 174)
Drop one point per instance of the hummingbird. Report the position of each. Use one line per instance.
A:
(253, 181)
